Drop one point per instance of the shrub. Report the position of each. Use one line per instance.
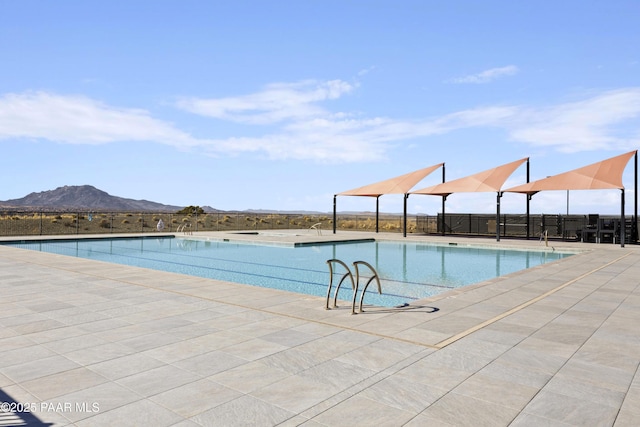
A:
(190, 209)
(348, 224)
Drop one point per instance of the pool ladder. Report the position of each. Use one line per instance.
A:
(317, 227)
(354, 283)
(184, 228)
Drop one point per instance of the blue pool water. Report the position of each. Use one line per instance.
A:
(409, 270)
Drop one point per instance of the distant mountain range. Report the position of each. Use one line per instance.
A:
(86, 197)
(89, 198)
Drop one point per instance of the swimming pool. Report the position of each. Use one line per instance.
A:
(408, 270)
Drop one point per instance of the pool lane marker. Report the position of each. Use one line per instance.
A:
(463, 334)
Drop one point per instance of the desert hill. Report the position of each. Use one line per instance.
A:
(84, 197)
(88, 197)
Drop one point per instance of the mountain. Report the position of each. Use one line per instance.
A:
(84, 197)
(272, 211)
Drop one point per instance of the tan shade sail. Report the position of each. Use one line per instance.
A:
(398, 185)
(606, 174)
(489, 180)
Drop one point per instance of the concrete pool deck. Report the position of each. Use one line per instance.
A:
(90, 344)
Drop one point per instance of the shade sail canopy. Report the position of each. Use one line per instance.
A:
(398, 185)
(606, 174)
(489, 180)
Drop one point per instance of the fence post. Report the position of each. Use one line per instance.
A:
(504, 229)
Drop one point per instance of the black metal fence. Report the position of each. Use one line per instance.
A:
(22, 223)
(555, 226)
(568, 227)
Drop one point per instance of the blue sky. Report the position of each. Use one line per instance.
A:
(281, 104)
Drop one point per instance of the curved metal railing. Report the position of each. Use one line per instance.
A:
(184, 228)
(317, 227)
(330, 262)
(354, 284)
(355, 293)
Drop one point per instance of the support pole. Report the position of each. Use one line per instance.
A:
(623, 224)
(377, 212)
(498, 216)
(443, 220)
(334, 213)
(634, 229)
(528, 202)
(404, 218)
(443, 200)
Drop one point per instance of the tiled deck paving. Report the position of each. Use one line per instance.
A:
(556, 345)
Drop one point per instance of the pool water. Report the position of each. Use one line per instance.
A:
(408, 270)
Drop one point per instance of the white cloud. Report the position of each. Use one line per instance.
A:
(591, 124)
(366, 71)
(319, 147)
(302, 128)
(478, 117)
(80, 120)
(278, 102)
(487, 75)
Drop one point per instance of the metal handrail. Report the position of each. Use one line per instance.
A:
(317, 227)
(354, 284)
(183, 228)
(355, 292)
(330, 262)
